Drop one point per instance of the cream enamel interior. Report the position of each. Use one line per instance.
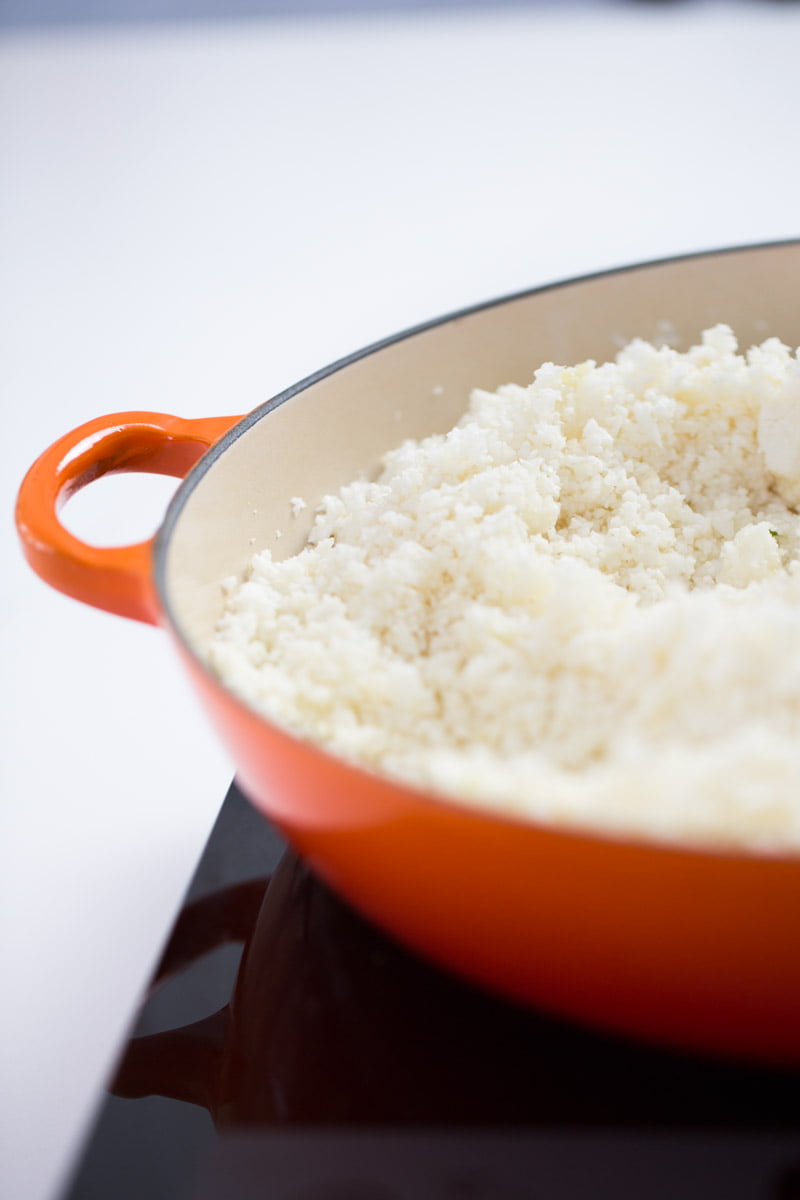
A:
(339, 426)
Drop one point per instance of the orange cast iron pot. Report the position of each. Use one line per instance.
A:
(686, 946)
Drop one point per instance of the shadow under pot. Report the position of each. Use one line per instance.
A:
(332, 1023)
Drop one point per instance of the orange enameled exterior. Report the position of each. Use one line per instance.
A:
(687, 947)
(693, 947)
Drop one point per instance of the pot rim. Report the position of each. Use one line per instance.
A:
(633, 839)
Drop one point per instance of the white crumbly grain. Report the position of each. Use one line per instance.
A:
(582, 604)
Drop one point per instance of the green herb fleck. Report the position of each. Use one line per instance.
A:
(774, 533)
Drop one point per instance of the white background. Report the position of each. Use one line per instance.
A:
(194, 217)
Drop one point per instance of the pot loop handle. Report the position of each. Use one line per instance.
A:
(118, 579)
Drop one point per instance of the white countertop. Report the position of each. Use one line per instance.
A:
(194, 217)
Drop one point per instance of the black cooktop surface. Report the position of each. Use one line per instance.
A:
(289, 1050)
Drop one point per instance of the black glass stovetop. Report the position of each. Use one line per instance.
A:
(288, 1051)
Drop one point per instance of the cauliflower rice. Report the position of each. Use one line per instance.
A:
(582, 604)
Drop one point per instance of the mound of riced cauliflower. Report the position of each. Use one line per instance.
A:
(580, 605)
